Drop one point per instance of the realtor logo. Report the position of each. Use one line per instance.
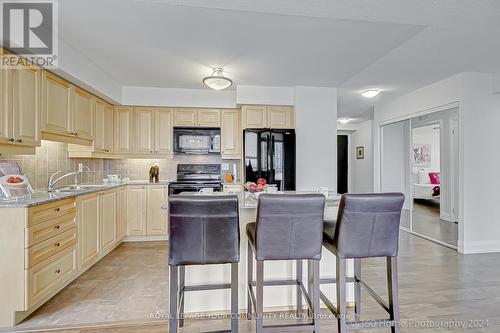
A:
(29, 29)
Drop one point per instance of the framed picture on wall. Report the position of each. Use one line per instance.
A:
(421, 155)
(360, 152)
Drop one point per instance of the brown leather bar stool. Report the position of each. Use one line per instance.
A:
(367, 226)
(203, 230)
(288, 227)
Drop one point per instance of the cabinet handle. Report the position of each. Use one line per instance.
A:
(57, 226)
(57, 244)
(19, 140)
(11, 140)
(75, 134)
(57, 209)
(58, 271)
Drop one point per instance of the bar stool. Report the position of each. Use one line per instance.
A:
(288, 227)
(203, 230)
(367, 226)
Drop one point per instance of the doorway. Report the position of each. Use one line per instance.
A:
(342, 164)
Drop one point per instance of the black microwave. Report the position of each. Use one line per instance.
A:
(196, 140)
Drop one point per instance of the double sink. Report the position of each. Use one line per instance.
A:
(80, 188)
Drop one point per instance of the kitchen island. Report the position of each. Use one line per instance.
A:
(278, 298)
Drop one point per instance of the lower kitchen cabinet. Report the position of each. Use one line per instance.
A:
(156, 217)
(88, 222)
(144, 214)
(121, 213)
(108, 221)
(136, 211)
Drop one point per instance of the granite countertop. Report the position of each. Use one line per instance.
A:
(42, 197)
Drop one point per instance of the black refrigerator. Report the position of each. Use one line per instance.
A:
(270, 154)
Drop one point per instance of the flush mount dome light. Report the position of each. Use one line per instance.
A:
(370, 93)
(217, 80)
(344, 120)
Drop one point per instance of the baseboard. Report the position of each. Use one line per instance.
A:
(151, 238)
(445, 217)
(479, 247)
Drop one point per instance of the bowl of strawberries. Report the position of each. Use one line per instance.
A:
(259, 186)
(13, 180)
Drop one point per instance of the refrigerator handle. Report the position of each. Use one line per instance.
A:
(271, 165)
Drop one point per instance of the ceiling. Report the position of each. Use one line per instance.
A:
(396, 45)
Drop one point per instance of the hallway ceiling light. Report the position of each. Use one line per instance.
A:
(344, 120)
(217, 80)
(370, 93)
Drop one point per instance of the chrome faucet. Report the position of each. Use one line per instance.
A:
(52, 182)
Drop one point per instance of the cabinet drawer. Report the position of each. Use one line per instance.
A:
(50, 211)
(49, 247)
(45, 277)
(43, 231)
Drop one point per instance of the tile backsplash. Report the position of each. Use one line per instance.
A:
(53, 156)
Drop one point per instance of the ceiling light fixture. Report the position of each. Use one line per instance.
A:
(217, 80)
(344, 120)
(370, 93)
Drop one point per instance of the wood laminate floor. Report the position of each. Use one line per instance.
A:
(426, 221)
(438, 286)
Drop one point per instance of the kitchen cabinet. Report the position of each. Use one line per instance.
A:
(231, 135)
(124, 129)
(136, 211)
(108, 221)
(254, 116)
(144, 130)
(185, 117)
(280, 117)
(103, 139)
(121, 228)
(56, 105)
(156, 217)
(5, 104)
(88, 223)
(261, 116)
(208, 118)
(26, 96)
(82, 114)
(163, 131)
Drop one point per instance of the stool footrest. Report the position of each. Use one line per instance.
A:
(273, 283)
(203, 287)
(289, 328)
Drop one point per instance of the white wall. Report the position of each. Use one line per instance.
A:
(479, 118)
(148, 96)
(362, 169)
(316, 131)
(264, 95)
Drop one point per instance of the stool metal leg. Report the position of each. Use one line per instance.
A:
(182, 284)
(315, 295)
(392, 284)
(341, 295)
(310, 286)
(357, 287)
(249, 281)
(172, 326)
(259, 313)
(234, 298)
(299, 289)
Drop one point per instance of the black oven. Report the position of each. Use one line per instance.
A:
(178, 187)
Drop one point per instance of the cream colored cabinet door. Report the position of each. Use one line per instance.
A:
(6, 134)
(280, 117)
(254, 116)
(144, 130)
(107, 205)
(88, 229)
(157, 217)
(163, 131)
(185, 117)
(136, 210)
(56, 104)
(121, 228)
(108, 128)
(230, 134)
(82, 115)
(124, 129)
(208, 117)
(99, 126)
(26, 90)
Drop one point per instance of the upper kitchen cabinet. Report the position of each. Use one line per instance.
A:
(5, 105)
(163, 131)
(124, 129)
(82, 115)
(208, 118)
(56, 105)
(67, 111)
(280, 117)
(260, 116)
(144, 130)
(230, 134)
(103, 138)
(185, 117)
(254, 116)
